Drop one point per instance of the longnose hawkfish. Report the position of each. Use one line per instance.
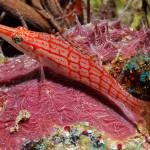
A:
(64, 58)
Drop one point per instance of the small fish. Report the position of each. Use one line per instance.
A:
(63, 58)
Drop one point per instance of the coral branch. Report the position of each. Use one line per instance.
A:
(30, 14)
(88, 11)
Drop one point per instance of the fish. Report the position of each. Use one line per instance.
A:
(64, 58)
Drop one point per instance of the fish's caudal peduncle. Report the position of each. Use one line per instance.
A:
(63, 58)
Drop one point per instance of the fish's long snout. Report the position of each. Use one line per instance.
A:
(6, 32)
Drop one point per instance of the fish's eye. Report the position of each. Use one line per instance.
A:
(17, 39)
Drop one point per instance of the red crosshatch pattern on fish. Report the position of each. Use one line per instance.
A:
(58, 54)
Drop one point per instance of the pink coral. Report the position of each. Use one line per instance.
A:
(52, 103)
